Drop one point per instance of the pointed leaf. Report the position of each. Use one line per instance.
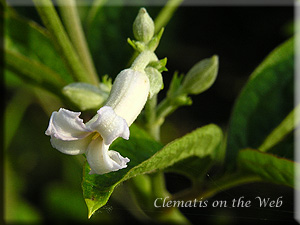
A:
(14, 112)
(267, 166)
(145, 158)
(264, 102)
(28, 38)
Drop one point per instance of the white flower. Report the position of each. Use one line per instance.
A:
(71, 136)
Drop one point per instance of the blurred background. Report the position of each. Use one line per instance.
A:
(42, 184)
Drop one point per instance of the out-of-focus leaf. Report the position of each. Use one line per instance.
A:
(16, 209)
(65, 203)
(108, 43)
(33, 72)
(14, 113)
(145, 158)
(267, 166)
(48, 101)
(28, 38)
(264, 102)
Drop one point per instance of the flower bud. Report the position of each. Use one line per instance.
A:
(129, 94)
(85, 96)
(201, 76)
(143, 26)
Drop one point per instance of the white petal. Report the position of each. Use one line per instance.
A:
(129, 94)
(74, 147)
(109, 125)
(66, 125)
(101, 160)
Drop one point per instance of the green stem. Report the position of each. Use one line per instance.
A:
(282, 130)
(143, 59)
(96, 6)
(71, 20)
(165, 14)
(164, 109)
(215, 187)
(158, 186)
(150, 113)
(60, 39)
(161, 20)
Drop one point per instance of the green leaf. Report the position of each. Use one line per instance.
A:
(98, 188)
(267, 166)
(145, 158)
(93, 11)
(106, 44)
(28, 38)
(264, 102)
(33, 72)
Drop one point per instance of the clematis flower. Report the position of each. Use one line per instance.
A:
(70, 135)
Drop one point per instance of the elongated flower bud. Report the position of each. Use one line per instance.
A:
(129, 94)
(201, 76)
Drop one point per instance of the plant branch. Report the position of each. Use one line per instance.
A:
(165, 14)
(282, 130)
(96, 6)
(73, 25)
(215, 187)
(60, 39)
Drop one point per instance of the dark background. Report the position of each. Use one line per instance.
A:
(242, 37)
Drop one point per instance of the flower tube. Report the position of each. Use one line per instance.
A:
(71, 136)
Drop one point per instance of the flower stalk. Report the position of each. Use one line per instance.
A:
(73, 25)
(62, 42)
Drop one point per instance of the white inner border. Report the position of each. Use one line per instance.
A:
(296, 5)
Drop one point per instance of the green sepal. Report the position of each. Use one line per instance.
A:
(136, 45)
(152, 45)
(175, 84)
(159, 65)
(156, 81)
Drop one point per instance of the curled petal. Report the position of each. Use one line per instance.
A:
(101, 160)
(74, 147)
(66, 125)
(109, 125)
